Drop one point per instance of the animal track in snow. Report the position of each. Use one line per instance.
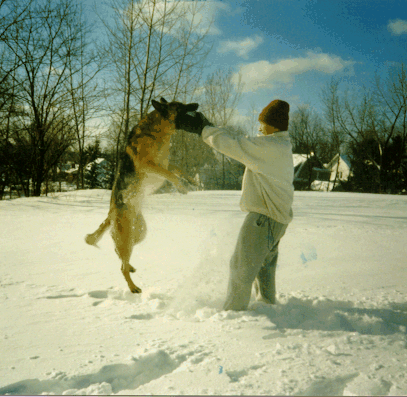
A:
(235, 376)
(98, 294)
(63, 296)
(109, 379)
(143, 316)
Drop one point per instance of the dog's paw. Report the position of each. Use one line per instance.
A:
(136, 290)
(91, 240)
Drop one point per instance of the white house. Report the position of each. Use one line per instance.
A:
(322, 175)
(308, 169)
(341, 166)
(340, 169)
(299, 161)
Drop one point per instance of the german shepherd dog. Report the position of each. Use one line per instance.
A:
(143, 167)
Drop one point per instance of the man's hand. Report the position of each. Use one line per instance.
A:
(195, 124)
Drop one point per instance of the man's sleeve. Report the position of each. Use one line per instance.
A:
(241, 149)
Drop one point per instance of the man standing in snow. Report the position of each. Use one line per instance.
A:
(267, 196)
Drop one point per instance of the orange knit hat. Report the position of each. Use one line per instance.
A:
(275, 114)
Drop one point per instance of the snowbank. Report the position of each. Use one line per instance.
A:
(70, 326)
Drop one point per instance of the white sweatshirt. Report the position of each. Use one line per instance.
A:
(268, 179)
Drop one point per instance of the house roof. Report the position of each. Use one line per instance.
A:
(299, 158)
(343, 158)
(97, 162)
(346, 159)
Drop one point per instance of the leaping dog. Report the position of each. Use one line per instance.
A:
(143, 167)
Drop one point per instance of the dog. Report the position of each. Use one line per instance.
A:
(143, 167)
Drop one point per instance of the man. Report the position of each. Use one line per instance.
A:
(267, 196)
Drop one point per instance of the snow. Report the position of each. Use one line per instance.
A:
(70, 326)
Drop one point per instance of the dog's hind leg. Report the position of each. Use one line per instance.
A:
(93, 238)
(128, 229)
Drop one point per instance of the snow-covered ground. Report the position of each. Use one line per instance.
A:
(69, 325)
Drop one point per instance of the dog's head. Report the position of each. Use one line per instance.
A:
(181, 114)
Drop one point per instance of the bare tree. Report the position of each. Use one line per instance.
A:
(83, 67)
(392, 99)
(12, 172)
(332, 111)
(252, 123)
(221, 95)
(363, 120)
(392, 96)
(371, 122)
(306, 130)
(8, 115)
(12, 12)
(307, 135)
(155, 49)
(42, 44)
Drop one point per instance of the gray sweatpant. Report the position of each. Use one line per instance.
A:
(254, 261)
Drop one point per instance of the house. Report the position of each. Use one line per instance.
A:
(98, 163)
(307, 169)
(340, 164)
(68, 167)
(68, 171)
(340, 171)
(98, 173)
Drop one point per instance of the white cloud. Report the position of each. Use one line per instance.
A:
(397, 27)
(200, 14)
(263, 74)
(204, 15)
(242, 48)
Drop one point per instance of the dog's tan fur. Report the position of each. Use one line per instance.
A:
(148, 148)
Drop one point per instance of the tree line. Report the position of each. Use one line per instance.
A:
(58, 78)
(62, 74)
(47, 94)
(369, 127)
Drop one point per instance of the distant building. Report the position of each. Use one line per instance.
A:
(340, 171)
(311, 174)
(307, 169)
(98, 173)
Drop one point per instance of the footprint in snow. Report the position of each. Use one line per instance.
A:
(98, 294)
(110, 379)
(142, 316)
(63, 296)
(113, 294)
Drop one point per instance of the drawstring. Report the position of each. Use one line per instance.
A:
(260, 222)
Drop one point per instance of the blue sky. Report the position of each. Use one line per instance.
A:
(290, 49)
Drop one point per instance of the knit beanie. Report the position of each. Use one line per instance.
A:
(275, 114)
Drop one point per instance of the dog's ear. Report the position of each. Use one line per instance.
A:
(163, 100)
(161, 108)
(192, 107)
